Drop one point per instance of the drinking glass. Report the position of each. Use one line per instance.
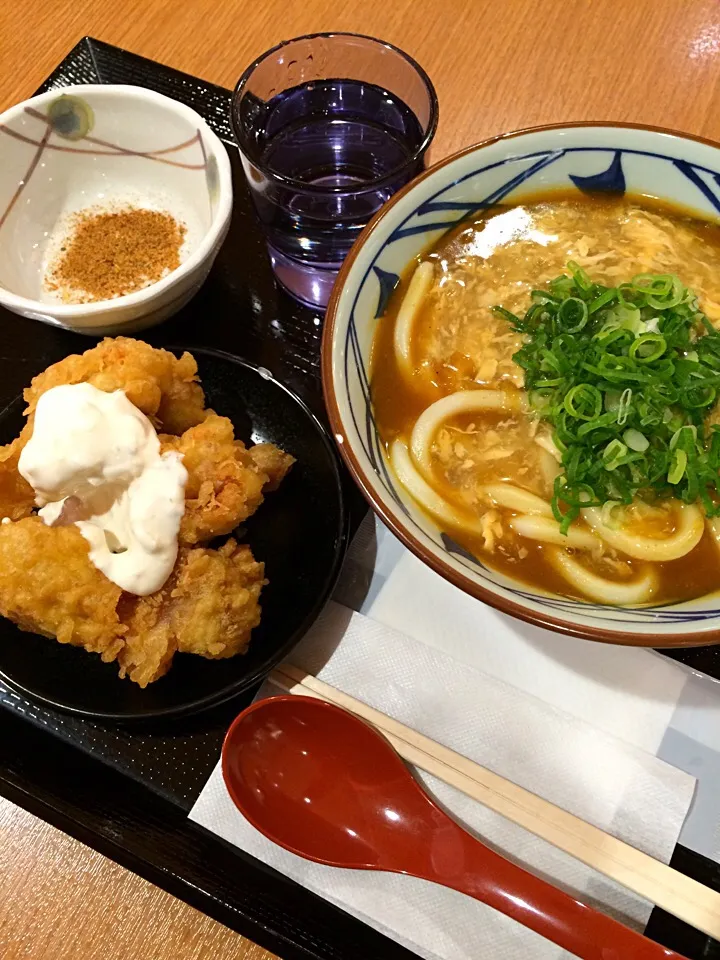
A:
(329, 126)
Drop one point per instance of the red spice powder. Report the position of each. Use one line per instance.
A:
(109, 254)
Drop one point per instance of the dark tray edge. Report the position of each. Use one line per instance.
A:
(46, 786)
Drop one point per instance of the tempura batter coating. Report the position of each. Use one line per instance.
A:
(272, 461)
(150, 643)
(49, 586)
(160, 384)
(226, 481)
(208, 607)
(215, 600)
(17, 497)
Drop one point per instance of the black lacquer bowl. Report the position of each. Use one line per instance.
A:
(299, 532)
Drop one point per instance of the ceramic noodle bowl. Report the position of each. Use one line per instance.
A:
(573, 161)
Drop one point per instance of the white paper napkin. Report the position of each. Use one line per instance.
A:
(610, 783)
(629, 692)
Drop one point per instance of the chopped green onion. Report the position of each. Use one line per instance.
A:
(627, 318)
(689, 431)
(700, 396)
(635, 440)
(606, 514)
(659, 284)
(625, 376)
(677, 467)
(613, 453)
(647, 347)
(573, 314)
(544, 296)
(612, 399)
(624, 406)
(629, 296)
(541, 399)
(669, 299)
(584, 402)
(582, 280)
(602, 301)
(510, 317)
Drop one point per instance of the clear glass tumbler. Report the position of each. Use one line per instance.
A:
(329, 127)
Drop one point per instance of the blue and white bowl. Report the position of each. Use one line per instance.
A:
(586, 156)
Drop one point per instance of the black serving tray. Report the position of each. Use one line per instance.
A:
(126, 791)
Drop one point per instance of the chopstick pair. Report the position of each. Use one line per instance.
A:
(679, 895)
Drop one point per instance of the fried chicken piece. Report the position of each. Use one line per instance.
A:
(150, 642)
(160, 384)
(215, 600)
(49, 586)
(164, 387)
(272, 461)
(17, 497)
(226, 481)
(208, 607)
(182, 404)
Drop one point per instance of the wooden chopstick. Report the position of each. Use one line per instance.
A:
(679, 895)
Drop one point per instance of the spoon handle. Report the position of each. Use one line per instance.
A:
(464, 864)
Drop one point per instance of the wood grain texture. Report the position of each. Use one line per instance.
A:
(59, 900)
(497, 65)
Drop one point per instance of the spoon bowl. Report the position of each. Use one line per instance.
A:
(326, 786)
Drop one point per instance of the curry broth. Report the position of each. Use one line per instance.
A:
(558, 227)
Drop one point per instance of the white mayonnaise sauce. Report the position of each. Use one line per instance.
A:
(95, 458)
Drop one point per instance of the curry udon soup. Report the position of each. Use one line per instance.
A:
(546, 382)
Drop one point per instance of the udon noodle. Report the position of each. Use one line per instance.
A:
(471, 449)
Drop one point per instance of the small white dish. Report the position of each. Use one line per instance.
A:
(106, 147)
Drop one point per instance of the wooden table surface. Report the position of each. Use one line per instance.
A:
(497, 65)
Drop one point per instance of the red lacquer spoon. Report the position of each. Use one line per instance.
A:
(323, 784)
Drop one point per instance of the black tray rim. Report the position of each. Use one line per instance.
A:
(60, 785)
